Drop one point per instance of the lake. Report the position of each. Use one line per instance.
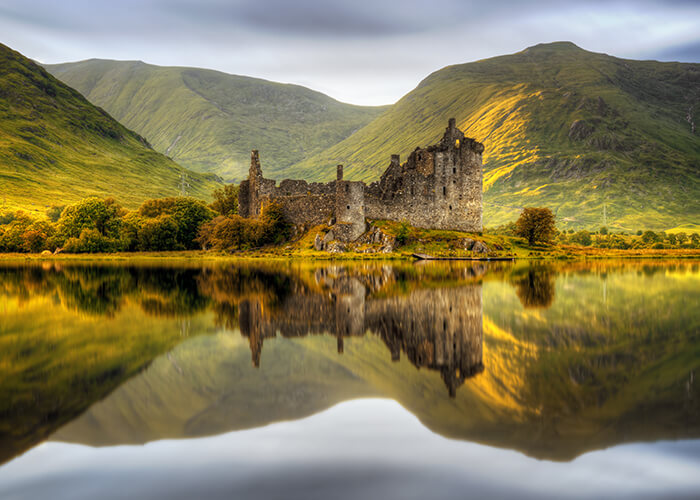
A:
(322, 380)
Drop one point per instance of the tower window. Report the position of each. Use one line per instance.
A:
(348, 207)
(444, 190)
(450, 207)
(347, 188)
(454, 170)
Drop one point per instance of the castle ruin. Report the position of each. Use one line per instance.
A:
(438, 187)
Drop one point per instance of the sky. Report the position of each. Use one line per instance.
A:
(362, 52)
(367, 448)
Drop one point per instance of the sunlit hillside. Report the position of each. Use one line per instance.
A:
(56, 147)
(600, 140)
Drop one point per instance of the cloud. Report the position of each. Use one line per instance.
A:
(362, 51)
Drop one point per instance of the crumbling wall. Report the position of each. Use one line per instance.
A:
(438, 187)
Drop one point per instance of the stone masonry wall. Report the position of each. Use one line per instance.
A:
(438, 187)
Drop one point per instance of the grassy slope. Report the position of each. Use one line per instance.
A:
(640, 158)
(209, 121)
(56, 147)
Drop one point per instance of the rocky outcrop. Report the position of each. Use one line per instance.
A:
(579, 130)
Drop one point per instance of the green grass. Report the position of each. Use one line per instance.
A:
(209, 121)
(56, 147)
(640, 163)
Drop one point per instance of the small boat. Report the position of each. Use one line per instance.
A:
(422, 256)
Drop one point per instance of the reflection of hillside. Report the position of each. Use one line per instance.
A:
(609, 360)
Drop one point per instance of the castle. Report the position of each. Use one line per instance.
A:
(438, 187)
(439, 329)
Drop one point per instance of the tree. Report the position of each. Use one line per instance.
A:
(158, 234)
(582, 237)
(536, 224)
(694, 240)
(34, 238)
(188, 214)
(603, 230)
(226, 200)
(104, 216)
(90, 241)
(649, 237)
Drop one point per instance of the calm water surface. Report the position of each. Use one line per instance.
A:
(302, 380)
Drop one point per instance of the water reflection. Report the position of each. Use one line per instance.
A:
(552, 360)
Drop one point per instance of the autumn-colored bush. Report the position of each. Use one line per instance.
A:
(238, 233)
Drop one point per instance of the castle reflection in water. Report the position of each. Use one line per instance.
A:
(439, 329)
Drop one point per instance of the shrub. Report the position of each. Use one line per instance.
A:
(402, 233)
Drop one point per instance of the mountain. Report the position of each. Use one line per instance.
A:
(209, 121)
(600, 140)
(56, 147)
(549, 388)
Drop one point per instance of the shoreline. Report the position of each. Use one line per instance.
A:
(207, 256)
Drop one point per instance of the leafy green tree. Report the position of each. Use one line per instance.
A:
(672, 239)
(536, 225)
(158, 234)
(226, 200)
(188, 214)
(90, 241)
(603, 230)
(681, 238)
(103, 216)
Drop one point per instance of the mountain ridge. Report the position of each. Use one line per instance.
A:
(558, 123)
(209, 120)
(58, 148)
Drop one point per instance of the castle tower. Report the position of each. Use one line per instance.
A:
(349, 208)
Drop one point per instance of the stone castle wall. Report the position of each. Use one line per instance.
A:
(436, 329)
(438, 187)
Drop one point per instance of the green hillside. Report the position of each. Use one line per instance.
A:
(56, 147)
(209, 121)
(580, 132)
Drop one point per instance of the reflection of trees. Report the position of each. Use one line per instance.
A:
(535, 288)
